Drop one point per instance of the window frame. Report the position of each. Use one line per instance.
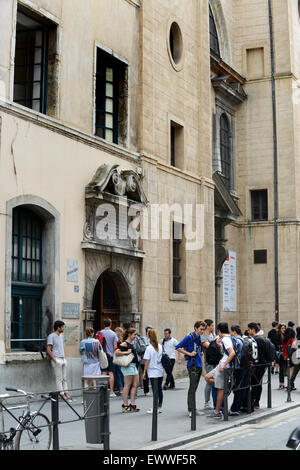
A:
(262, 205)
(225, 150)
(121, 67)
(21, 288)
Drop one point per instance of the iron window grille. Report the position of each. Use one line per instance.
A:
(31, 63)
(177, 240)
(225, 144)
(27, 287)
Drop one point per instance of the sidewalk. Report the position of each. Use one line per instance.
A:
(133, 431)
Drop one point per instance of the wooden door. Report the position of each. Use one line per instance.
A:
(109, 301)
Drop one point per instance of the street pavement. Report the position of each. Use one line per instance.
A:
(133, 431)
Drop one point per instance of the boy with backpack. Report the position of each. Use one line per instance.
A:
(239, 371)
(190, 346)
(216, 376)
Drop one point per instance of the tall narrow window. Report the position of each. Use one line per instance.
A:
(259, 205)
(225, 143)
(176, 145)
(178, 259)
(214, 41)
(26, 278)
(34, 44)
(111, 98)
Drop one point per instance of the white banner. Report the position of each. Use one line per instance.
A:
(229, 283)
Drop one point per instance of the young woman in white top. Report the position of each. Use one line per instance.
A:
(153, 366)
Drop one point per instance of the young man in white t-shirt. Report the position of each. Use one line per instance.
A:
(216, 376)
(169, 345)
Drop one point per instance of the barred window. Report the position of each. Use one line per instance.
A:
(225, 149)
(27, 285)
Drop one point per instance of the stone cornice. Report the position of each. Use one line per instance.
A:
(267, 223)
(176, 171)
(66, 130)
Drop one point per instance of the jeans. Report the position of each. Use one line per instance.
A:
(146, 381)
(208, 387)
(294, 375)
(119, 378)
(170, 379)
(60, 373)
(159, 388)
(194, 372)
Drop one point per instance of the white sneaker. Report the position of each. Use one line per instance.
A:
(112, 395)
(207, 406)
(198, 413)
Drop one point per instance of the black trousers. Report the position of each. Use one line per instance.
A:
(170, 379)
(256, 380)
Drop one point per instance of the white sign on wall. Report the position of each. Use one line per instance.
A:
(229, 283)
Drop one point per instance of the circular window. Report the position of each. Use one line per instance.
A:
(175, 45)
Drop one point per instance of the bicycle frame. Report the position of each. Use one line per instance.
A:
(22, 421)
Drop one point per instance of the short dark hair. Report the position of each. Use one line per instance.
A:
(291, 324)
(198, 324)
(168, 329)
(274, 323)
(237, 329)
(107, 322)
(126, 325)
(58, 324)
(253, 326)
(223, 327)
(208, 322)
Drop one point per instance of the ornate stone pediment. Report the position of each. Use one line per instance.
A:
(126, 183)
(114, 202)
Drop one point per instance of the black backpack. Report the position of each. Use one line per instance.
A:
(213, 353)
(270, 351)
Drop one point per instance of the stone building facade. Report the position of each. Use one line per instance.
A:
(115, 114)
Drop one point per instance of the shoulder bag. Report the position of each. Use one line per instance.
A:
(102, 359)
(124, 360)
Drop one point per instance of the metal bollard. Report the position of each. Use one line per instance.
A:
(249, 401)
(225, 402)
(289, 399)
(193, 388)
(55, 419)
(269, 387)
(154, 411)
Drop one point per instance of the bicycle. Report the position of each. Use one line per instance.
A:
(33, 431)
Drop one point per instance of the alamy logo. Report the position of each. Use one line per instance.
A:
(154, 222)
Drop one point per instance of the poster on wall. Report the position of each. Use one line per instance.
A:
(229, 283)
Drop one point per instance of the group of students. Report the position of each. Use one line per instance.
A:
(234, 347)
(122, 342)
(286, 341)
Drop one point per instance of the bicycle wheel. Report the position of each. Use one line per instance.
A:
(36, 435)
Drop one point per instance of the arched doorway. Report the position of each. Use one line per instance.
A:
(106, 302)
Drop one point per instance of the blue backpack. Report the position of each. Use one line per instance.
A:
(238, 346)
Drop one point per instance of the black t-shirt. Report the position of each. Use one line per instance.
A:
(126, 348)
(262, 349)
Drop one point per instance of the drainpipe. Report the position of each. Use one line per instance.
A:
(275, 181)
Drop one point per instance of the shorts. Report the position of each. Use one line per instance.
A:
(111, 367)
(218, 376)
(130, 370)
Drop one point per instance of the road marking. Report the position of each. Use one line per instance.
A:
(278, 421)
